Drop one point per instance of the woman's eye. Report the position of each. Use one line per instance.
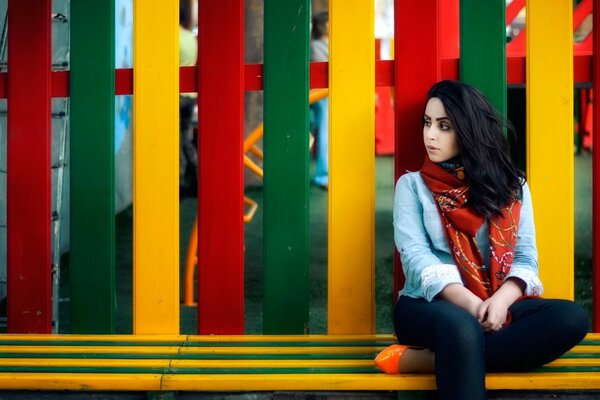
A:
(445, 127)
(426, 123)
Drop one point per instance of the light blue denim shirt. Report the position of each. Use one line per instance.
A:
(426, 259)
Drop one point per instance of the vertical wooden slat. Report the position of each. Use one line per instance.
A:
(28, 164)
(92, 234)
(483, 48)
(156, 167)
(449, 29)
(550, 139)
(221, 186)
(352, 167)
(418, 67)
(596, 172)
(286, 179)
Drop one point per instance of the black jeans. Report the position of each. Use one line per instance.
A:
(541, 330)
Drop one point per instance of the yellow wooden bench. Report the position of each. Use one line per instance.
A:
(245, 363)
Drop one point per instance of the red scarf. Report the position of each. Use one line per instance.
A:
(461, 222)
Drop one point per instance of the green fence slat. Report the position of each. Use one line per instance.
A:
(92, 234)
(286, 176)
(483, 48)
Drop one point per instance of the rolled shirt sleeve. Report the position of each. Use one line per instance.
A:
(435, 278)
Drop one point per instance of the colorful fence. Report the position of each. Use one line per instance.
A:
(426, 46)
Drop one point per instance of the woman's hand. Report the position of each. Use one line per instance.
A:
(493, 311)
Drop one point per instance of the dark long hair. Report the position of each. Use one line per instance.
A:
(490, 173)
(319, 25)
(185, 14)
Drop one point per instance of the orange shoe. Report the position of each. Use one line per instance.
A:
(388, 360)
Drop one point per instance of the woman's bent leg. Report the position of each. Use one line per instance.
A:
(456, 338)
(541, 331)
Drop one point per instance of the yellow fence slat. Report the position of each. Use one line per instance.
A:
(156, 167)
(351, 303)
(550, 139)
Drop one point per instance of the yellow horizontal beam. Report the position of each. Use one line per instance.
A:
(528, 381)
(585, 349)
(282, 350)
(270, 363)
(203, 338)
(544, 381)
(79, 362)
(575, 362)
(58, 381)
(292, 338)
(216, 338)
(91, 349)
(94, 338)
(297, 382)
(126, 363)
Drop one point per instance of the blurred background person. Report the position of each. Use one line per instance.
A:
(188, 53)
(319, 51)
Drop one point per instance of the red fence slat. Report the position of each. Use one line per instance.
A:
(221, 172)
(596, 178)
(417, 33)
(28, 186)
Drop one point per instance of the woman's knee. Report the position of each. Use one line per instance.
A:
(419, 322)
(571, 319)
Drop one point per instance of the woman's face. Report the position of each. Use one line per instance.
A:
(439, 135)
